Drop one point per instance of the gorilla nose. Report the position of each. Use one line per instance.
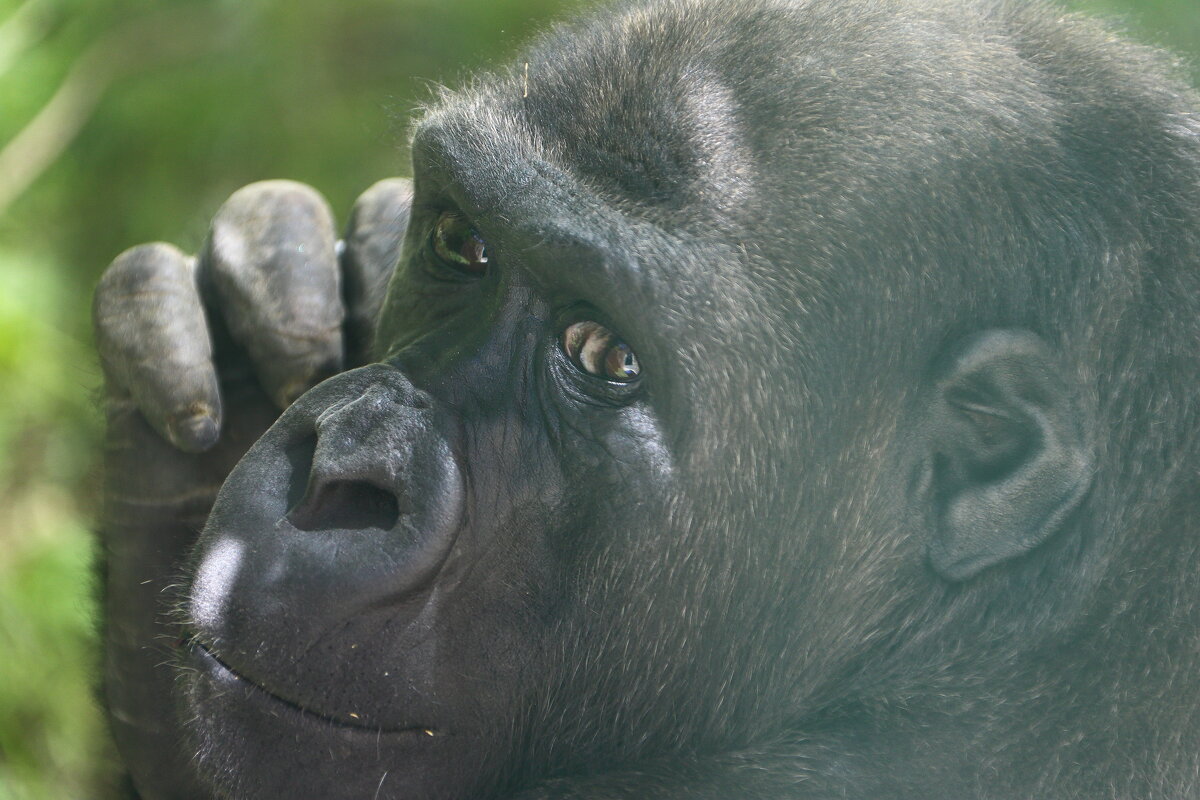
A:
(371, 456)
(352, 500)
(380, 465)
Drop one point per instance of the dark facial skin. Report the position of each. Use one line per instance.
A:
(770, 401)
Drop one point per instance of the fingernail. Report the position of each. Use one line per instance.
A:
(196, 433)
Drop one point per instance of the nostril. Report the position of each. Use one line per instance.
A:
(346, 505)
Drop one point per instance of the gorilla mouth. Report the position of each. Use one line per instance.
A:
(215, 669)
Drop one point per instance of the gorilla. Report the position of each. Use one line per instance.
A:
(770, 399)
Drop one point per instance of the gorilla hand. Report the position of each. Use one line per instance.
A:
(200, 355)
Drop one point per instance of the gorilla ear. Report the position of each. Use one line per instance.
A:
(1009, 449)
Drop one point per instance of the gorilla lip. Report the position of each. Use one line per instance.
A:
(216, 669)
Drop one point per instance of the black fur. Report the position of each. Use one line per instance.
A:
(902, 506)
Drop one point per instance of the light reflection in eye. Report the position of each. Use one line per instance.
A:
(457, 245)
(598, 352)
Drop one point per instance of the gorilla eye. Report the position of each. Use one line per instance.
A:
(457, 244)
(598, 352)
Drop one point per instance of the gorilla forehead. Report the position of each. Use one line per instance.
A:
(661, 139)
(976, 141)
(638, 114)
(666, 113)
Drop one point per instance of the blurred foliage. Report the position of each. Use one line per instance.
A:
(139, 118)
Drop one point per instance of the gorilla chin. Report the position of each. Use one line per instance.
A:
(255, 744)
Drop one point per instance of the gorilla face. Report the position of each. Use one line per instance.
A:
(728, 359)
(552, 489)
(404, 572)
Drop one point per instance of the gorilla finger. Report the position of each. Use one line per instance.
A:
(270, 266)
(374, 235)
(155, 346)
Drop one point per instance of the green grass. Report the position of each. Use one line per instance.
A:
(51, 743)
(51, 734)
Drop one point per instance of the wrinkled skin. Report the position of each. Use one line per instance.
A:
(770, 401)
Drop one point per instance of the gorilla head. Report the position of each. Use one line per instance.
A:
(773, 399)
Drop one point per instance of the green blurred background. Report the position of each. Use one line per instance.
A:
(123, 121)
